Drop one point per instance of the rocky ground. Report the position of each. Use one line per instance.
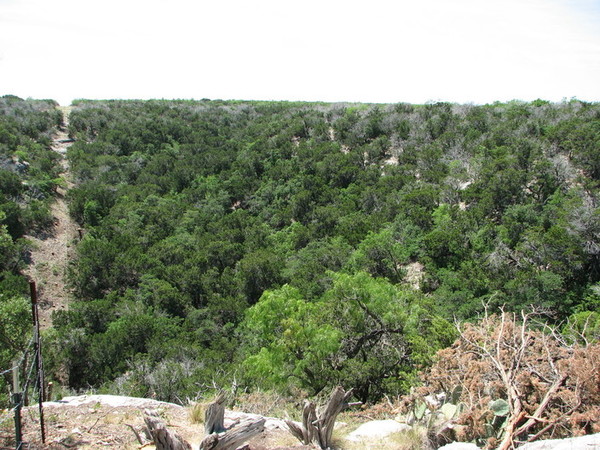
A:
(109, 421)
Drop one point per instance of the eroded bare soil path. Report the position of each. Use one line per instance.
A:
(53, 250)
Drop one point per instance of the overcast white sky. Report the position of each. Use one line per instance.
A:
(415, 51)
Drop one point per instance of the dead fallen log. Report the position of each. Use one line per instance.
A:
(234, 437)
(318, 428)
(164, 439)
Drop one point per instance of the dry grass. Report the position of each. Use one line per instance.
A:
(275, 440)
(196, 413)
(415, 439)
(270, 404)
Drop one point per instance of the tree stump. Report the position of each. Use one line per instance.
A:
(220, 438)
(318, 429)
(214, 416)
(164, 439)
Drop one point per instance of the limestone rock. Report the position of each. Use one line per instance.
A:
(376, 429)
(459, 446)
(589, 442)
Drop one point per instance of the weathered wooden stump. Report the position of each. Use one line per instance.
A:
(220, 438)
(164, 439)
(317, 429)
(214, 416)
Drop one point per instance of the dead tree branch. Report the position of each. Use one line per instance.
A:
(318, 428)
(164, 439)
(234, 437)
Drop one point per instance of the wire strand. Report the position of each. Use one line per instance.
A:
(16, 366)
(8, 415)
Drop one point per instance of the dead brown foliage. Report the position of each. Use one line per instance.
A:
(552, 388)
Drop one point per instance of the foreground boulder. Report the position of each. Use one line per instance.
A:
(376, 429)
(588, 442)
(459, 446)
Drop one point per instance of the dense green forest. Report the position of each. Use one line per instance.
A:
(296, 246)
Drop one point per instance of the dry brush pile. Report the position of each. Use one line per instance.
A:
(516, 383)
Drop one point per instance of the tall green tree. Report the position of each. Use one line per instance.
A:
(364, 333)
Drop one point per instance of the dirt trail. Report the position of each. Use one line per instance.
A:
(52, 252)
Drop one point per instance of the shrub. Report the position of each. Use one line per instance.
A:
(545, 387)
